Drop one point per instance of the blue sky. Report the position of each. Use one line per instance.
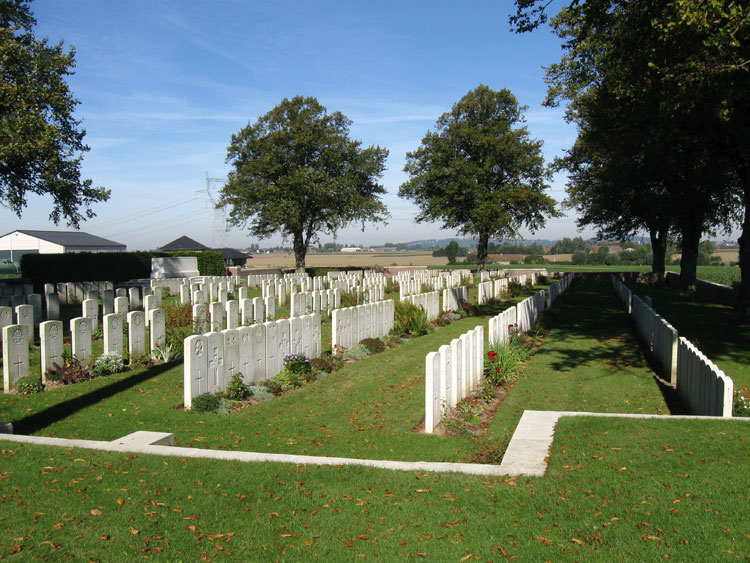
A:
(163, 85)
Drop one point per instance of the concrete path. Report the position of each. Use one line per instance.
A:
(527, 454)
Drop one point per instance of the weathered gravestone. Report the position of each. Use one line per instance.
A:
(196, 368)
(136, 334)
(157, 329)
(25, 317)
(80, 332)
(53, 306)
(90, 310)
(112, 328)
(15, 355)
(51, 344)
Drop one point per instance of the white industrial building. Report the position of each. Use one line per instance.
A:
(17, 243)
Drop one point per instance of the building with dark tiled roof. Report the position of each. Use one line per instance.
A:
(15, 244)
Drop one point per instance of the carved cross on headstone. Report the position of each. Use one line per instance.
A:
(215, 364)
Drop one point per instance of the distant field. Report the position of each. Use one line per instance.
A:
(362, 259)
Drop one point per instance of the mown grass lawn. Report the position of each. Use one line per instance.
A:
(616, 489)
(710, 326)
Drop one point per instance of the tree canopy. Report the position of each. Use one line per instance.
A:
(41, 143)
(654, 88)
(479, 172)
(297, 173)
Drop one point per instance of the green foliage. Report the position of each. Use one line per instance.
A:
(569, 246)
(503, 362)
(451, 251)
(107, 364)
(741, 405)
(205, 403)
(373, 345)
(358, 352)
(297, 173)
(327, 364)
(237, 390)
(480, 173)
(409, 319)
(348, 299)
(259, 393)
(41, 142)
(71, 371)
(29, 385)
(297, 363)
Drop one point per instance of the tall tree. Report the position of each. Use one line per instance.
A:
(615, 56)
(297, 173)
(41, 143)
(479, 172)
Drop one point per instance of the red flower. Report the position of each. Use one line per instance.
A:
(491, 353)
(497, 369)
(492, 359)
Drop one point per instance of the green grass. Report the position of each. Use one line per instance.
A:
(615, 490)
(710, 326)
(590, 361)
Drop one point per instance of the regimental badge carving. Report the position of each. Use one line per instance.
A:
(53, 332)
(198, 348)
(83, 328)
(137, 320)
(17, 335)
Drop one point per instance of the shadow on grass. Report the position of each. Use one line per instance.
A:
(37, 421)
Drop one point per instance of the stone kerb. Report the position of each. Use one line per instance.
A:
(256, 352)
(701, 384)
(451, 374)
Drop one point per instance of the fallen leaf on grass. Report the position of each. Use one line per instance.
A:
(542, 539)
(500, 549)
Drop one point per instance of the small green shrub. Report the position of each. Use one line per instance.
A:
(373, 345)
(205, 403)
(349, 299)
(273, 386)
(741, 405)
(259, 393)
(237, 390)
(502, 363)
(107, 364)
(29, 385)
(487, 390)
(297, 363)
(326, 364)
(71, 370)
(409, 319)
(359, 352)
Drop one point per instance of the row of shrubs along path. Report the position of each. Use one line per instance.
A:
(370, 409)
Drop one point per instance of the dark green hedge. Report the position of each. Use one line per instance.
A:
(117, 267)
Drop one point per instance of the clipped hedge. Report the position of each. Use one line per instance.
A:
(117, 267)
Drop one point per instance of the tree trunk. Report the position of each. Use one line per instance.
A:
(484, 239)
(300, 251)
(659, 248)
(691, 237)
(742, 307)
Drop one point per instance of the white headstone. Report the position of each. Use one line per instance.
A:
(6, 318)
(307, 335)
(245, 339)
(35, 300)
(199, 317)
(259, 314)
(80, 332)
(134, 298)
(112, 328)
(432, 392)
(217, 316)
(231, 354)
(446, 378)
(233, 313)
(196, 367)
(15, 355)
(259, 351)
(216, 380)
(25, 317)
(273, 361)
(270, 303)
(108, 302)
(122, 306)
(136, 334)
(157, 329)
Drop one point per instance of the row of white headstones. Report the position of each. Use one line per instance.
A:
(16, 342)
(256, 352)
(456, 370)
